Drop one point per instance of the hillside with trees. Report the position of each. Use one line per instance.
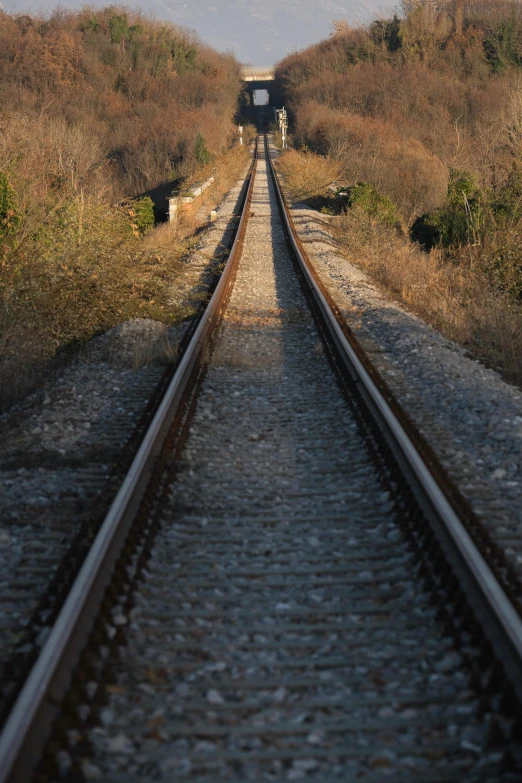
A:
(424, 109)
(97, 108)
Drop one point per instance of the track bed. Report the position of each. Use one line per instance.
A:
(280, 627)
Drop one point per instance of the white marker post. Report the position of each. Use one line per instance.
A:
(283, 121)
(240, 129)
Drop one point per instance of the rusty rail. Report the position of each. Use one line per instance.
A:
(30, 721)
(493, 608)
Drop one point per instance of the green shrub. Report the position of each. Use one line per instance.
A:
(93, 24)
(184, 55)
(201, 153)
(461, 219)
(506, 204)
(503, 45)
(327, 211)
(489, 222)
(385, 33)
(143, 209)
(373, 203)
(118, 27)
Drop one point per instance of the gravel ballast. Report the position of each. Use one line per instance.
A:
(280, 629)
(467, 413)
(64, 448)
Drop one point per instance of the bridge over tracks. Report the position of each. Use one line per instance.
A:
(258, 74)
(258, 79)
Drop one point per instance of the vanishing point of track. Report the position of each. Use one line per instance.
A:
(281, 591)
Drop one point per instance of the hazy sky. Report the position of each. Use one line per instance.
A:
(259, 32)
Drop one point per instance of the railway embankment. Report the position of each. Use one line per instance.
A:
(287, 604)
(66, 447)
(470, 416)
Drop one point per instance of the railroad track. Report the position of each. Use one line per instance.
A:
(33, 593)
(280, 591)
(54, 544)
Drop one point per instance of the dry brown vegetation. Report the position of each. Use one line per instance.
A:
(426, 108)
(143, 89)
(98, 106)
(308, 174)
(86, 271)
(453, 298)
(414, 92)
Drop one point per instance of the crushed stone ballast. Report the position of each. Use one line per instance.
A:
(288, 597)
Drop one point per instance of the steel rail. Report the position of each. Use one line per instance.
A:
(499, 619)
(30, 721)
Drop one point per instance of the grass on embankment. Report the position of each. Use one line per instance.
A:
(458, 299)
(74, 267)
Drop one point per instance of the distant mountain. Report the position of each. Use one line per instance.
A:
(259, 32)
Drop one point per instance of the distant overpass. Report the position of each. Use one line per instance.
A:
(258, 74)
(258, 79)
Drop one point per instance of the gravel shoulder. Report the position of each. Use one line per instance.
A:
(64, 447)
(470, 416)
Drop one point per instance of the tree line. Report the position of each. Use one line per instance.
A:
(97, 108)
(426, 108)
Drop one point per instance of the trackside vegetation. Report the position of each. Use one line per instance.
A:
(99, 109)
(418, 118)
